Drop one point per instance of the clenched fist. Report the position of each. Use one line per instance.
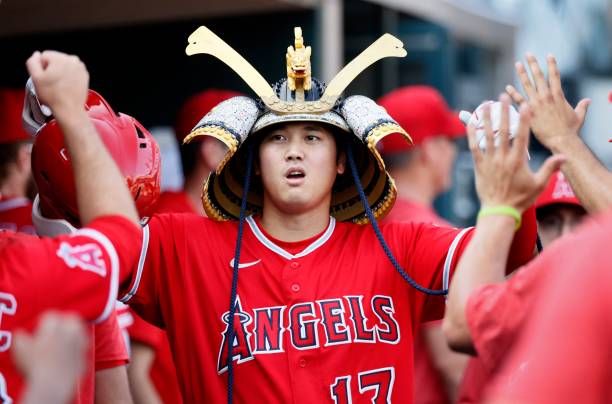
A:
(61, 81)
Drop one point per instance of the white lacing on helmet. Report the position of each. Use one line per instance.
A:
(49, 227)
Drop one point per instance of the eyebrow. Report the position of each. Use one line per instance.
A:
(313, 127)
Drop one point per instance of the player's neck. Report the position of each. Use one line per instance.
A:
(416, 186)
(15, 186)
(292, 227)
(193, 189)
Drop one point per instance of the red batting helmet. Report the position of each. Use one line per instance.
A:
(134, 150)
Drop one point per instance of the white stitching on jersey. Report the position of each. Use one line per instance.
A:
(114, 260)
(143, 255)
(449, 257)
(285, 254)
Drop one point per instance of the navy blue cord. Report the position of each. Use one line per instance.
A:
(234, 292)
(381, 240)
(539, 245)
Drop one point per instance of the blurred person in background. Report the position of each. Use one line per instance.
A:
(422, 172)
(152, 371)
(16, 184)
(198, 158)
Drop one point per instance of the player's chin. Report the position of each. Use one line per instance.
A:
(296, 202)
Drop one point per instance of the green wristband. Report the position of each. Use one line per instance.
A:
(501, 210)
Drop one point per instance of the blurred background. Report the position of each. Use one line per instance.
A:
(134, 50)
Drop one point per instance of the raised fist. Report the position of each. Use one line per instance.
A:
(61, 81)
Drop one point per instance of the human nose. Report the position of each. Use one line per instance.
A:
(294, 151)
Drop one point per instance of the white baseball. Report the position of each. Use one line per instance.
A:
(477, 119)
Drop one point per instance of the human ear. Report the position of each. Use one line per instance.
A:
(341, 164)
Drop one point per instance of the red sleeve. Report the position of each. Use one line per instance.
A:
(564, 353)
(475, 380)
(110, 348)
(523, 244)
(157, 251)
(145, 333)
(439, 249)
(429, 255)
(85, 266)
(495, 312)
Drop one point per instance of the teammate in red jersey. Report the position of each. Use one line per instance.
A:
(16, 183)
(496, 313)
(79, 272)
(490, 318)
(319, 312)
(563, 353)
(421, 173)
(105, 379)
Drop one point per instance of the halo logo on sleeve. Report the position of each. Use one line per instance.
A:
(88, 257)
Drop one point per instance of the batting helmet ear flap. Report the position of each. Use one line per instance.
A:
(49, 227)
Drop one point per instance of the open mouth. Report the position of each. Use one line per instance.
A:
(295, 174)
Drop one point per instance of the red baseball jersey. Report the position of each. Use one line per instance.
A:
(106, 350)
(16, 215)
(175, 202)
(163, 371)
(563, 355)
(429, 387)
(496, 315)
(77, 273)
(405, 210)
(324, 319)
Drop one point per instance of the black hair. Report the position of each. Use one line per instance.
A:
(189, 157)
(8, 155)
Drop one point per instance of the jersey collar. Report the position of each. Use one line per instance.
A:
(284, 253)
(13, 203)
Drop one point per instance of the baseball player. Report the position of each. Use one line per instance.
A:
(423, 171)
(41, 274)
(489, 318)
(563, 354)
(198, 158)
(318, 312)
(138, 157)
(105, 379)
(16, 183)
(496, 313)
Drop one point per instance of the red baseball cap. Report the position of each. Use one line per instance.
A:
(423, 113)
(11, 107)
(196, 106)
(558, 190)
